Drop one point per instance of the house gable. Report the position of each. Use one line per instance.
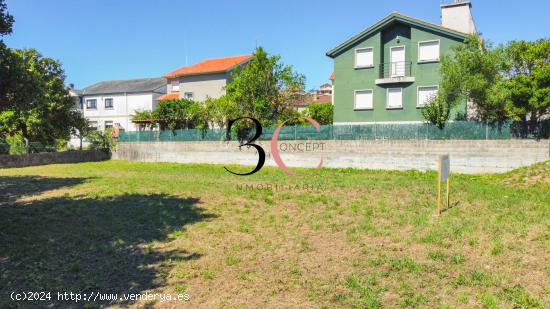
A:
(389, 21)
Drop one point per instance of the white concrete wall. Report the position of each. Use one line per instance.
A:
(467, 156)
(124, 106)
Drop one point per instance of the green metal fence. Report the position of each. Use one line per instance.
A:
(470, 130)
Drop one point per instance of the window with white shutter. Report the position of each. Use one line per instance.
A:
(364, 57)
(395, 98)
(425, 94)
(363, 99)
(428, 51)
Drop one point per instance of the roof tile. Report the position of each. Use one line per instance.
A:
(217, 65)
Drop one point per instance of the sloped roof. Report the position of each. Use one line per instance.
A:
(218, 65)
(169, 96)
(125, 86)
(389, 20)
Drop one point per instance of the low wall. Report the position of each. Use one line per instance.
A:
(467, 156)
(52, 158)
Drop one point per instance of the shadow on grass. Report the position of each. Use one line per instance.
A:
(14, 187)
(85, 245)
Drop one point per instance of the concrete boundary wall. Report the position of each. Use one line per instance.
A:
(52, 158)
(467, 156)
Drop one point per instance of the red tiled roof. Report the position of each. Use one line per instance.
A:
(323, 98)
(217, 65)
(169, 96)
(331, 76)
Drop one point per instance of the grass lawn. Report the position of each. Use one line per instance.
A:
(339, 238)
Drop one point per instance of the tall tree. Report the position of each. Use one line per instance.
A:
(262, 87)
(6, 20)
(35, 99)
(471, 71)
(526, 67)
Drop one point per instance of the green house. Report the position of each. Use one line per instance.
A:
(389, 71)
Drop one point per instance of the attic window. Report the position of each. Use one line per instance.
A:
(428, 51)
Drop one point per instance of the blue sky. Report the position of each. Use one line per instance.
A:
(105, 39)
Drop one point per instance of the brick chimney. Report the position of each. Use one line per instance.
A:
(458, 16)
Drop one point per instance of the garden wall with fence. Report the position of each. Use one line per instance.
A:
(458, 130)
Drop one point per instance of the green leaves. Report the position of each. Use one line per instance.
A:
(33, 97)
(323, 113)
(180, 114)
(511, 81)
(261, 88)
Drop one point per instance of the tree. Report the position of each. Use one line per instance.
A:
(34, 98)
(323, 113)
(262, 87)
(471, 71)
(80, 126)
(179, 114)
(144, 120)
(437, 111)
(219, 111)
(526, 85)
(6, 20)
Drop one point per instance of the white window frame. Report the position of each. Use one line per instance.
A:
(418, 94)
(105, 124)
(112, 100)
(388, 98)
(355, 100)
(187, 92)
(429, 60)
(363, 66)
(92, 108)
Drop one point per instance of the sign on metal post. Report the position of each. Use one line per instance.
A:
(444, 170)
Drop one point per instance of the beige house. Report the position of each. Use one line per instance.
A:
(202, 80)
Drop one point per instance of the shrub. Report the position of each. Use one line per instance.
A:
(16, 144)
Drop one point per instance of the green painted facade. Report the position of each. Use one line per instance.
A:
(395, 30)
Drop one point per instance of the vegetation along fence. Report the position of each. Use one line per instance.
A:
(458, 130)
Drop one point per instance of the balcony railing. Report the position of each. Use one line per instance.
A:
(395, 69)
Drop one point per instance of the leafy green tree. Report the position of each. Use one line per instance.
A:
(220, 110)
(180, 114)
(80, 126)
(261, 88)
(6, 20)
(36, 100)
(471, 71)
(526, 86)
(323, 113)
(144, 120)
(437, 111)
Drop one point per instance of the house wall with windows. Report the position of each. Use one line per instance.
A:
(202, 80)
(112, 109)
(200, 87)
(388, 72)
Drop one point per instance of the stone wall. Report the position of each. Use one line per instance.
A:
(52, 158)
(467, 156)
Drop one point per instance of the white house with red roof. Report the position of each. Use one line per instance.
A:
(202, 80)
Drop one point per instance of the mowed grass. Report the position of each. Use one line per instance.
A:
(336, 238)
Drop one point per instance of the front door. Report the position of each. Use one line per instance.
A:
(397, 58)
